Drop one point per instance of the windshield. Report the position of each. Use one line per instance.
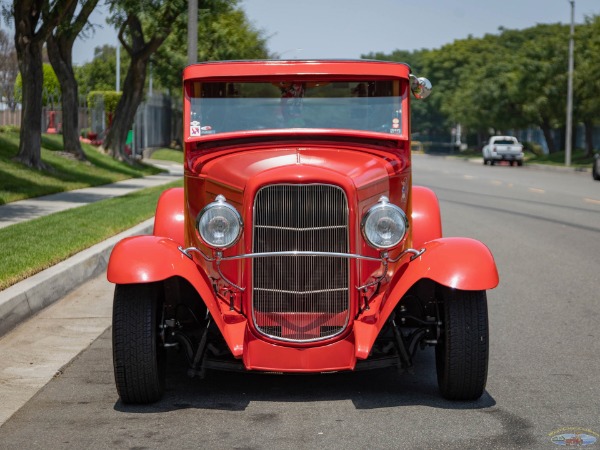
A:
(505, 141)
(359, 105)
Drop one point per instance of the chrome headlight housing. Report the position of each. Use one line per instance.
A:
(384, 225)
(219, 224)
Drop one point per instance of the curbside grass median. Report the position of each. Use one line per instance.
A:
(32, 246)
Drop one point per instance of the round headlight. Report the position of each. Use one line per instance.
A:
(219, 224)
(384, 225)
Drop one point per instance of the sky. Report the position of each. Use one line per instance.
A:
(313, 29)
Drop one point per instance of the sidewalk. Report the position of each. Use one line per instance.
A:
(32, 208)
(24, 299)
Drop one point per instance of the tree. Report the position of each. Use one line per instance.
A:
(223, 33)
(143, 27)
(586, 80)
(100, 73)
(9, 68)
(427, 121)
(50, 86)
(542, 82)
(60, 51)
(34, 21)
(229, 36)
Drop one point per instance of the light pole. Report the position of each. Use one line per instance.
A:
(569, 132)
(192, 29)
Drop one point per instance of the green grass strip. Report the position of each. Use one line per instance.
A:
(32, 246)
(167, 154)
(18, 182)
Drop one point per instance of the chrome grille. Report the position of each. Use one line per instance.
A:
(300, 298)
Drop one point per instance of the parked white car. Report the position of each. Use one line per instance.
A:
(503, 148)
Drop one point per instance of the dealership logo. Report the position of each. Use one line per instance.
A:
(573, 437)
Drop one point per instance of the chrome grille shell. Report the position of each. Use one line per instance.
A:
(300, 298)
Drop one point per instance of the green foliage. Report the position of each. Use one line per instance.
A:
(100, 73)
(168, 154)
(224, 33)
(109, 98)
(533, 147)
(512, 80)
(587, 64)
(51, 90)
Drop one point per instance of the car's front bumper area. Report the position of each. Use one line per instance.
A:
(506, 156)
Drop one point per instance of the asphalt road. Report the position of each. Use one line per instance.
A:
(544, 377)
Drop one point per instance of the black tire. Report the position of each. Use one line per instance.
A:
(463, 349)
(519, 163)
(596, 169)
(138, 355)
(512, 163)
(492, 162)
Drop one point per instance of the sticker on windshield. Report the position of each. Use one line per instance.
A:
(395, 126)
(195, 128)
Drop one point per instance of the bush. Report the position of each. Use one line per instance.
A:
(533, 147)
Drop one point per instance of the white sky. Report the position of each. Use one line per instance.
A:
(349, 28)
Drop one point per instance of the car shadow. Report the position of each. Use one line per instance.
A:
(370, 389)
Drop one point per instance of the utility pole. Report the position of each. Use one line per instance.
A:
(192, 30)
(569, 132)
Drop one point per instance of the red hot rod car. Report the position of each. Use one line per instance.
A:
(298, 243)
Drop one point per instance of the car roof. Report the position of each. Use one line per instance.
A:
(305, 69)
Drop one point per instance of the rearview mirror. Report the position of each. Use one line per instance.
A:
(420, 87)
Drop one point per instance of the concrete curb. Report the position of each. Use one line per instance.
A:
(24, 299)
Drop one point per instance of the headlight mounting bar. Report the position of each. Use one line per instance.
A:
(218, 258)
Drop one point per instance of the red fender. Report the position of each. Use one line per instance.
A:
(426, 218)
(459, 263)
(169, 218)
(145, 259)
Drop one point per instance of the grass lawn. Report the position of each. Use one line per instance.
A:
(18, 182)
(167, 154)
(32, 246)
(578, 158)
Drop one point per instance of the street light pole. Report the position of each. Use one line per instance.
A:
(569, 133)
(192, 30)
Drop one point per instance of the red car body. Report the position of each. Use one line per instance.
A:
(274, 302)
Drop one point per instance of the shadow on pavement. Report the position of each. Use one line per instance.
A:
(370, 389)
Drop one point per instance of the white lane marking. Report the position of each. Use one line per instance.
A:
(537, 191)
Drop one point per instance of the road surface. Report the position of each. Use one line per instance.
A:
(544, 375)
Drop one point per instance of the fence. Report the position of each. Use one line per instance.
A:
(8, 117)
(157, 123)
(51, 118)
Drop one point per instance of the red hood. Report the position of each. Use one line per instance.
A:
(362, 168)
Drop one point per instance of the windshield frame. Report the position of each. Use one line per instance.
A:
(192, 89)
